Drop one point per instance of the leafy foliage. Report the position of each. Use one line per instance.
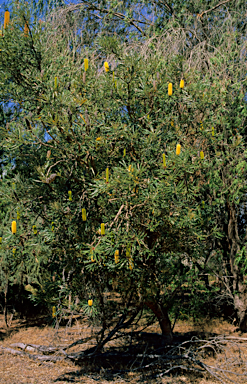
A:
(87, 138)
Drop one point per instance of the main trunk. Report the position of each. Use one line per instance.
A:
(163, 318)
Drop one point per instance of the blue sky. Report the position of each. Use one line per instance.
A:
(2, 6)
(2, 3)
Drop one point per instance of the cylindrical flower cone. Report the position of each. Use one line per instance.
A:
(178, 149)
(170, 89)
(106, 65)
(102, 229)
(86, 64)
(13, 227)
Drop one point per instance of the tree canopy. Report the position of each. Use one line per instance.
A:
(124, 157)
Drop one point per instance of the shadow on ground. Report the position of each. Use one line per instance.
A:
(146, 356)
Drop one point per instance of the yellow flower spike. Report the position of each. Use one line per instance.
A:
(86, 64)
(53, 311)
(170, 89)
(98, 139)
(128, 251)
(202, 155)
(201, 126)
(130, 168)
(1, 240)
(13, 227)
(116, 255)
(178, 149)
(14, 251)
(90, 302)
(172, 123)
(212, 131)
(107, 174)
(182, 84)
(70, 195)
(55, 82)
(52, 226)
(102, 229)
(131, 264)
(26, 30)
(6, 19)
(124, 152)
(203, 204)
(35, 230)
(164, 160)
(91, 253)
(84, 214)
(106, 65)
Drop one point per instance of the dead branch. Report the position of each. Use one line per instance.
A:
(212, 9)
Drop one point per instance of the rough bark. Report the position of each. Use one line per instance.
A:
(240, 304)
(237, 283)
(163, 318)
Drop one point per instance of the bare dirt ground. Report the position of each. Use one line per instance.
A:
(17, 369)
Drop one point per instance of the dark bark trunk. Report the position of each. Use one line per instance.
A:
(5, 309)
(240, 305)
(163, 318)
(236, 282)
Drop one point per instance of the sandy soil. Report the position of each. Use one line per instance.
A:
(21, 370)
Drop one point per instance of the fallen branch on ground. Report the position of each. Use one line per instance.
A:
(189, 355)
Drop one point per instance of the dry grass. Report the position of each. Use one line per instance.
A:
(22, 370)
